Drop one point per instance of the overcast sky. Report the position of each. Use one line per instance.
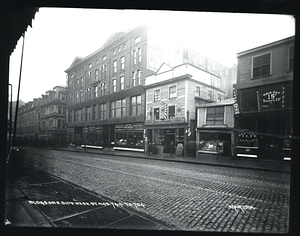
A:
(57, 36)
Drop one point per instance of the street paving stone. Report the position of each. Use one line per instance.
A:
(191, 197)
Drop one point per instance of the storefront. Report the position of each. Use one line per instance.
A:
(215, 141)
(264, 136)
(263, 128)
(161, 137)
(129, 136)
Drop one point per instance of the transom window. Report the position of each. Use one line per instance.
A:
(215, 116)
(261, 65)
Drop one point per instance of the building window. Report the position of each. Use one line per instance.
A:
(122, 63)
(157, 95)
(114, 85)
(102, 111)
(118, 108)
(59, 110)
(103, 58)
(197, 91)
(77, 83)
(77, 97)
(96, 74)
(215, 116)
(88, 113)
(137, 39)
(171, 112)
(172, 92)
(136, 105)
(219, 97)
(115, 66)
(122, 83)
(136, 77)
(81, 81)
(78, 115)
(88, 94)
(209, 95)
(291, 58)
(94, 115)
(156, 113)
(139, 54)
(134, 56)
(102, 89)
(81, 96)
(261, 65)
(90, 65)
(95, 91)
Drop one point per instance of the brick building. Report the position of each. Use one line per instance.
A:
(52, 114)
(106, 90)
(42, 121)
(264, 95)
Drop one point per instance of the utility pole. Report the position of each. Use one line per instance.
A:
(186, 133)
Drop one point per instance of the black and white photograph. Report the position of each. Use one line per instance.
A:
(151, 120)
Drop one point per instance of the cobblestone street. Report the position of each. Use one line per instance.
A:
(185, 196)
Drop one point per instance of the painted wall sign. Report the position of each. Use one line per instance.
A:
(271, 99)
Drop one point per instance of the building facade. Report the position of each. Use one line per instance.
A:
(41, 122)
(106, 90)
(172, 95)
(264, 95)
(215, 128)
(27, 123)
(52, 115)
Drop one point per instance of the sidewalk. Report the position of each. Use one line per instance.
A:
(35, 198)
(206, 159)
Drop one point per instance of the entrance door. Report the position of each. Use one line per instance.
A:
(170, 137)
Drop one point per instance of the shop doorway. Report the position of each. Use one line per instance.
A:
(170, 137)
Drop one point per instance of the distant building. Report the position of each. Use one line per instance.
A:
(52, 117)
(27, 123)
(172, 95)
(106, 90)
(264, 95)
(42, 121)
(215, 128)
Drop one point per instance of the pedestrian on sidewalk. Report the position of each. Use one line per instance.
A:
(172, 149)
(149, 147)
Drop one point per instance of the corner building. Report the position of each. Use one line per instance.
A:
(106, 90)
(264, 96)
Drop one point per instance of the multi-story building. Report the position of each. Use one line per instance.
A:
(264, 95)
(52, 114)
(106, 94)
(27, 122)
(42, 121)
(215, 128)
(172, 95)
